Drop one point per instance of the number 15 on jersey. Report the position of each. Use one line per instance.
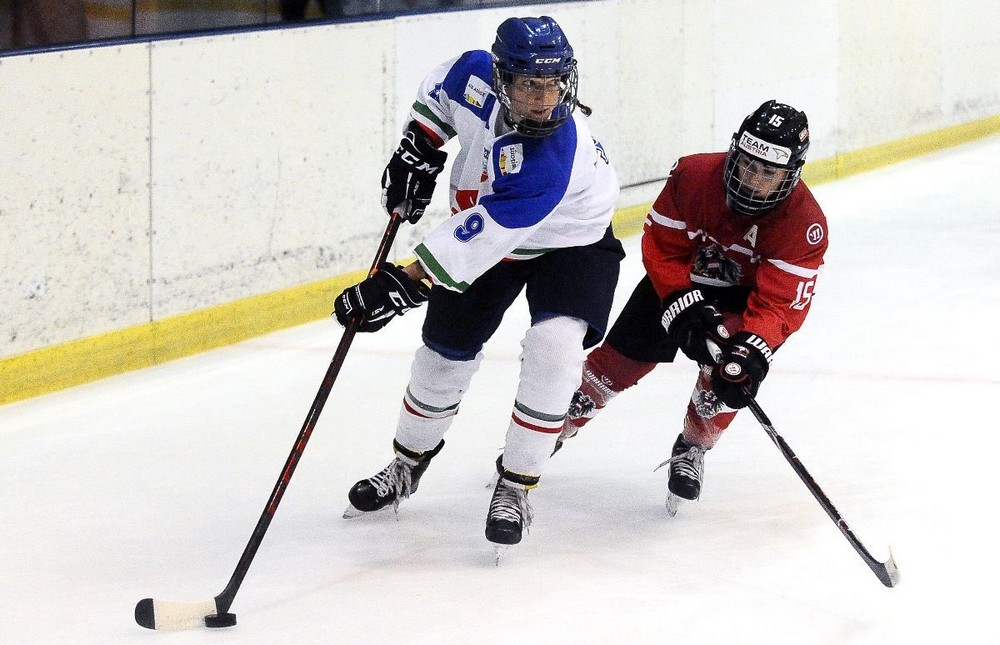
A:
(803, 294)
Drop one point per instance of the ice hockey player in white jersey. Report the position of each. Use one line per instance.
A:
(532, 196)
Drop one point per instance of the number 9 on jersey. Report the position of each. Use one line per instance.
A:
(472, 227)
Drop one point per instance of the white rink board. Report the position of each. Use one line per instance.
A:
(253, 165)
(266, 161)
(757, 56)
(74, 208)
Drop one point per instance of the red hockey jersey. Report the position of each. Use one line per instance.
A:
(691, 238)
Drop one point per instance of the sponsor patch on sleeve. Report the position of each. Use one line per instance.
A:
(476, 91)
(511, 158)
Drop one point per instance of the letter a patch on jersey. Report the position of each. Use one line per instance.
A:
(751, 236)
(510, 159)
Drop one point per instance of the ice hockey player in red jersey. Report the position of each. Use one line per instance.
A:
(732, 247)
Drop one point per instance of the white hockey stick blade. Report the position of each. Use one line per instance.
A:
(890, 574)
(172, 616)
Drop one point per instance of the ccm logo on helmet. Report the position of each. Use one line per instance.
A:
(546, 61)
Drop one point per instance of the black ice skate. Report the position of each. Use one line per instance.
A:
(395, 482)
(687, 469)
(509, 514)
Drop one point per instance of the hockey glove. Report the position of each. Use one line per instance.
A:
(376, 300)
(741, 368)
(408, 180)
(690, 320)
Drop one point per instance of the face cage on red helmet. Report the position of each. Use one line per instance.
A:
(740, 198)
(561, 113)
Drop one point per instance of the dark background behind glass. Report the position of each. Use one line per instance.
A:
(33, 24)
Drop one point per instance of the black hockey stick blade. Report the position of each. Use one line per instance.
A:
(886, 571)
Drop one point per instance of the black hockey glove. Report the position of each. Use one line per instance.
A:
(410, 174)
(690, 320)
(743, 364)
(376, 300)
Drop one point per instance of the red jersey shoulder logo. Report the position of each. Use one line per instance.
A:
(814, 234)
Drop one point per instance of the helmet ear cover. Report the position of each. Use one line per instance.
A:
(534, 47)
(777, 136)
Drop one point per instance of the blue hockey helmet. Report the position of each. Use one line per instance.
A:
(535, 48)
(768, 150)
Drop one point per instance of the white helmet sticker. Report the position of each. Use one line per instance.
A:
(764, 150)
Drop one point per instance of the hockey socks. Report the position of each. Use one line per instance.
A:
(606, 373)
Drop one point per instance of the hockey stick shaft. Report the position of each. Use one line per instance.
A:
(886, 571)
(157, 614)
(225, 599)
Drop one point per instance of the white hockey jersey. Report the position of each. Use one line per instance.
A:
(513, 197)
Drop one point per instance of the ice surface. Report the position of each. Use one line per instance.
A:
(150, 483)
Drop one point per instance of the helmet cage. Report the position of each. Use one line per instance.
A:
(742, 175)
(775, 137)
(561, 112)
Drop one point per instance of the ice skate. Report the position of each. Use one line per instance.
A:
(687, 468)
(394, 483)
(509, 514)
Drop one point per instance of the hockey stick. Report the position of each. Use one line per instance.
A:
(884, 571)
(165, 615)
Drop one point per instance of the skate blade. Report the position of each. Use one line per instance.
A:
(350, 512)
(673, 503)
(498, 551)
